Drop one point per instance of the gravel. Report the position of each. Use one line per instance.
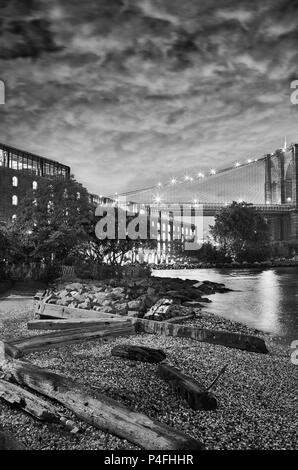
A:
(257, 395)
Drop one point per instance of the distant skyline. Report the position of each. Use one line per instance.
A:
(130, 92)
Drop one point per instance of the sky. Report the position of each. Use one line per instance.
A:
(132, 92)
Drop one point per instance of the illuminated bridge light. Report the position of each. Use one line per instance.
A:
(159, 184)
(173, 181)
(201, 175)
(190, 178)
(249, 160)
(195, 201)
(212, 171)
(157, 199)
(237, 164)
(186, 178)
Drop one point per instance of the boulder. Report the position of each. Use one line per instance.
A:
(192, 303)
(134, 305)
(77, 286)
(133, 313)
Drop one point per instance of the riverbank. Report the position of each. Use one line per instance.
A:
(234, 265)
(256, 395)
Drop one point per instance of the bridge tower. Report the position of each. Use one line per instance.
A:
(281, 187)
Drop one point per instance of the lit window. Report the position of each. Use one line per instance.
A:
(14, 217)
(14, 200)
(34, 185)
(15, 181)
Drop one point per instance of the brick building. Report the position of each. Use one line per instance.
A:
(21, 171)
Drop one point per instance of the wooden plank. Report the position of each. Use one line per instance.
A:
(99, 411)
(74, 323)
(34, 405)
(64, 337)
(138, 353)
(223, 338)
(192, 391)
(12, 351)
(61, 312)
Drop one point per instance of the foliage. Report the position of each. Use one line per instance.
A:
(51, 220)
(241, 232)
(211, 254)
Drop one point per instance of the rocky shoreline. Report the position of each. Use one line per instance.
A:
(256, 395)
(149, 298)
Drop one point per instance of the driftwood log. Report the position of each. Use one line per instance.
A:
(196, 395)
(138, 353)
(61, 338)
(101, 412)
(223, 338)
(74, 323)
(33, 405)
(8, 442)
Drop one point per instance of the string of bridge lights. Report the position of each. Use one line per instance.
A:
(200, 176)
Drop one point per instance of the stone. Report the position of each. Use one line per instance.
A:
(77, 286)
(85, 305)
(133, 313)
(192, 303)
(134, 305)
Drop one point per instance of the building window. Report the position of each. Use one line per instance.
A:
(15, 181)
(34, 185)
(14, 200)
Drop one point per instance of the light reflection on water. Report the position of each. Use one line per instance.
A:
(266, 300)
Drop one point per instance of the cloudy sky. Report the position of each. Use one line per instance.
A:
(130, 92)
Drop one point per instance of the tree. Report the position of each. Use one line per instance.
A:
(241, 232)
(52, 220)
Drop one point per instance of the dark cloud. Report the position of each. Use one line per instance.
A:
(132, 91)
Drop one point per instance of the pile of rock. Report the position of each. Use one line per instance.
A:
(154, 298)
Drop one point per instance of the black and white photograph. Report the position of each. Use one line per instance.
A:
(149, 230)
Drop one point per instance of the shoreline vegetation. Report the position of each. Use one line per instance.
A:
(256, 395)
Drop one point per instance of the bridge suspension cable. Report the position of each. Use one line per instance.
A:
(241, 181)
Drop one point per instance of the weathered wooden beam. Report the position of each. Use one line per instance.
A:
(192, 391)
(63, 337)
(99, 411)
(138, 353)
(223, 338)
(74, 323)
(33, 405)
(60, 312)
(12, 351)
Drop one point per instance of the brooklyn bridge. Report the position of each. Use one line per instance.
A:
(269, 183)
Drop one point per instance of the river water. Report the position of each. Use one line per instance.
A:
(263, 299)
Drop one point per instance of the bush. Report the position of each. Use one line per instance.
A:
(210, 254)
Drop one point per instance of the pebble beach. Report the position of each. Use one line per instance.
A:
(257, 395)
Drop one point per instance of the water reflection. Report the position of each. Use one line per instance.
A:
(266, 300)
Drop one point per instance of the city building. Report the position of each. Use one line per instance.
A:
(21, 171)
